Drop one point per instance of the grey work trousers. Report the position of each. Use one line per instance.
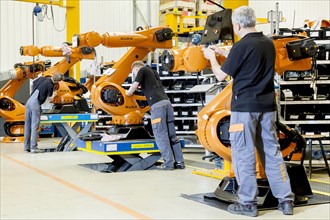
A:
(32, 121)
(162, 120)
(257, 129)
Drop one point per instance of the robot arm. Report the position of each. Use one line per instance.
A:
(18, 75)
(189, 59)
(107, 93)
(68, 89)
(12, 111)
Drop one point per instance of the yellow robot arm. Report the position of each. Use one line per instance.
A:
(107, 93)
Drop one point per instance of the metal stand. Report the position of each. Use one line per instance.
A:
(126, 162)
(69, 133)
(310, 139)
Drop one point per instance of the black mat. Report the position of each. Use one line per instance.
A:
(316, 199)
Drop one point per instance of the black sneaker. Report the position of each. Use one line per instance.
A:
(27, 150)
(36, 151)
(248, 210)
(179, 165)
(286, 207)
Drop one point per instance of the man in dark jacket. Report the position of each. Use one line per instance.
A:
(42, 88)
(162, 114)
(252, 124)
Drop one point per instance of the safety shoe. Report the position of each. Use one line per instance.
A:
(36, 151)
(179, 165)
(27, 150)
(248, 210)
(286, 207)
(165, 168)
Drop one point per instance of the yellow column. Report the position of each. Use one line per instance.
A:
(172, 22)
(233, 4)
(72, 28)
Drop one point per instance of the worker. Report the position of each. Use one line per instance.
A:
(162, 114)
(42, 88)
(250, 63)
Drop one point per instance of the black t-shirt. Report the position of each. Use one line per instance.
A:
(251, 64)
(45, 86)
(151, 85)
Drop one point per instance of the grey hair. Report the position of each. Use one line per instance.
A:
(137, 64)
(57, 77)
(244, 16)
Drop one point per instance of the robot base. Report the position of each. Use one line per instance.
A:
(226, 191)
(9, 139)
(129, 132)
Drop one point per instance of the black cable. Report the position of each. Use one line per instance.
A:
(33, 32)
(216, 4)
(53, 18)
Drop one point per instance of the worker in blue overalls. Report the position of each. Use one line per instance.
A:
(253, 113)
(162, 114)
(42, 88)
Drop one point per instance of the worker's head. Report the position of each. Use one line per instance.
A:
(136, 66)
(57, 77)
(243, 18)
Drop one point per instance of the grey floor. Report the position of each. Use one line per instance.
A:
(54, 186)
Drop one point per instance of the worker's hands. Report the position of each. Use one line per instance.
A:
(66, 50)
(53, 96)
(128, 93)
(223, 51)
(209, 53)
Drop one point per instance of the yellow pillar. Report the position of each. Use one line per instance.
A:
(172, 22)
(72, 23)
(72, 28)
(233, 4)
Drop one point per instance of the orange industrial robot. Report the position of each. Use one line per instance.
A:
(12, 111)
(292, 54)
(68, 91)
(107, 94)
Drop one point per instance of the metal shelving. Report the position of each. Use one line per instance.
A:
(309, 111)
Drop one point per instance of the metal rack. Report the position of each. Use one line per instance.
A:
(308, 109)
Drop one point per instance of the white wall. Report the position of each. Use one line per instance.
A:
(115, 16)
(95, 15)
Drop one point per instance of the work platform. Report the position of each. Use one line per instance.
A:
(70, 127)
(127, 155)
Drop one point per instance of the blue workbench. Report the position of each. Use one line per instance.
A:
(118, 147)
(67, 125)
(127, 155)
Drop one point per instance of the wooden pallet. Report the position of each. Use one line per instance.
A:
(169, 7)
(207, 6)
(180, 10)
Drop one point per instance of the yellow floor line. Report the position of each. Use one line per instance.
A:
(322, 193)
(319, 181)
(197, 168)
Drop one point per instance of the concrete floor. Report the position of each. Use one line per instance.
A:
(54, 186)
